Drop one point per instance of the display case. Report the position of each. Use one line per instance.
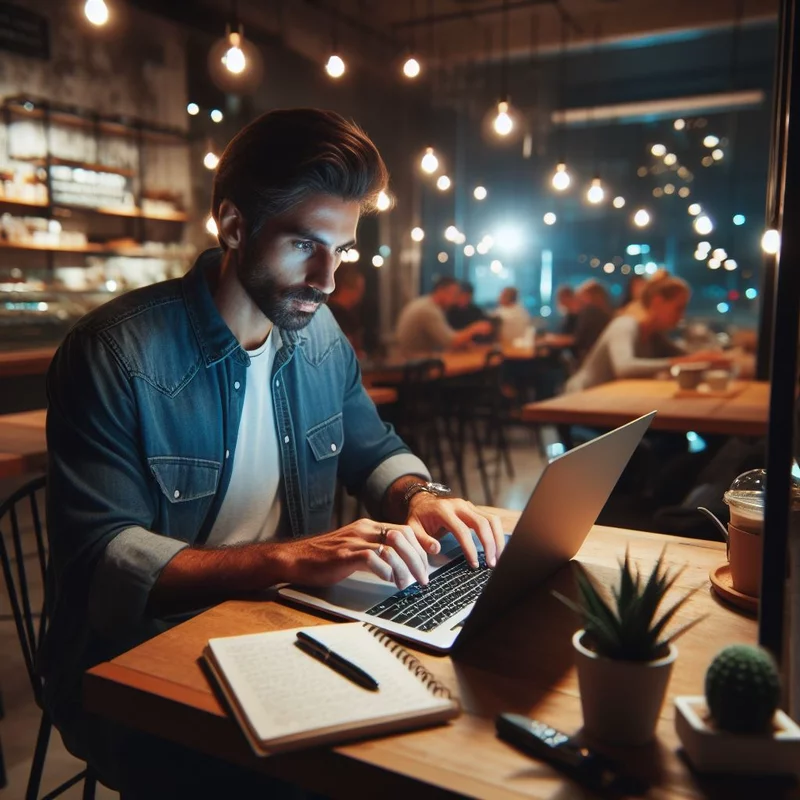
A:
(90, 206)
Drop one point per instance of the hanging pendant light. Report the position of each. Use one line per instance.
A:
(596, 193)
(429, 162)
(335, 66)
(503, 122)
(411, 65)
(96, 12)
(561, 178)
(234, 62)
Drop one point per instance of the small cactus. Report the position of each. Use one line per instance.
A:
(743, 689)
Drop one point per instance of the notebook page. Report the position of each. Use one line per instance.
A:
(283, 691)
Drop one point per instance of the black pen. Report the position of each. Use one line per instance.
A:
(308, 644)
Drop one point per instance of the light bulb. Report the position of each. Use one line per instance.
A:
(482, 248)
(771, 241)
(703, 225)
(335, 66)
(714, 263)
(469, 251)
(479, 192)
(658, 150)
(595, 194)
(679, 124)
(96, 12)
(618, 202)
(443, 183)
(429, 161)
(730, 264)
(561, 179)
(377, 261)
(720, 254)
(354, 255)
(694, 209)
(216, 115)
(641, 218)
(711, 141)
(234, 59)
(670, 159)
(549, 218)
(193, 109)
(384, 202)
(451, 233)
(717, 154)
(211, 226)
(210, 161)
(417, 234)
(496, 266)
(411, 68)
(739, 219)
(503, 124)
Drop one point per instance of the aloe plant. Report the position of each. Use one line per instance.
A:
(628, 629)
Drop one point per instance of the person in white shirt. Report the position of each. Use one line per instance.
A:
(514, 319)
(423, 328)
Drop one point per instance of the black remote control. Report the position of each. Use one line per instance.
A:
(564, 753)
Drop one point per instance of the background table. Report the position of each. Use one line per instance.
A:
(613, 404)
(23, 437)
(523, 663)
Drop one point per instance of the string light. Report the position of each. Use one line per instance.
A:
(442, 257)
(429, 161)
(482, 248)
(411, 67)
(751, 293)
(335, 66)
(679, 124)
(730, 264)
(658, 150)
(96, 12)
(451, 233)
(503, 124)
(684, 191)
(211, 226)
(618, 202)
(561, 178)
(720, 254)
(496, 267)
(703, 225)
(193, 109)
(384, 202)
(210, 160)
(694, 209)
(377, 261)
(711, 141)
(595, 193)
(479, 192)
(549, 218)
(417, 234)
(234, 59)
(216, 115)
(739, 219)
(641, 218)
(469, 251)
(670, 159)
(714, 263)
(771, 241)
(717, 154)
(443, 183)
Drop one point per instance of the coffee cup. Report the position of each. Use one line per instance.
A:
(745, 556)
(690, 375)
(745, 500)
(718, 380)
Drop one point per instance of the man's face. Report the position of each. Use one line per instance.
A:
(464, 299)
(666, 314)
(288, 269)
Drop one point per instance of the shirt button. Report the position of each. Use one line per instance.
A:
(237, 385)
(286, 440)
(333, 447)
(176, 494)
(227, 454)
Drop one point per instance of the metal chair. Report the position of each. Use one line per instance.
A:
(13, 560)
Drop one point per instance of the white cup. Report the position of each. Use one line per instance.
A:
(718, 380)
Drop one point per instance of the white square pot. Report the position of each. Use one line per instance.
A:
(712, 750)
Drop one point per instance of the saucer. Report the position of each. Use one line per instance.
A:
(722, 584)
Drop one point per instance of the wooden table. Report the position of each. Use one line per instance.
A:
(613, 404)
(26, 362)
(11, 464)
(23, 437)
(523, 664)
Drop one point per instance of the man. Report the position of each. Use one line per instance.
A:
(423, 329)
(464, 312)
(568, 307)
(344, 305)
(514, 318)
(196, 430)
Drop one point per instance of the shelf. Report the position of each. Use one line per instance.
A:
(38, 161)
(89, 248)
(175, 216)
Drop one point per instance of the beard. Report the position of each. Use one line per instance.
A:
(277, 302)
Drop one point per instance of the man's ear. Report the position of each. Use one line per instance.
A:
(230, 225)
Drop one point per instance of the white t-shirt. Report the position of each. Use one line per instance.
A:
(515, 321)
(251, 510)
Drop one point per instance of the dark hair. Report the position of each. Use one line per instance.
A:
(669, 287)
(596, 292)
(512, 293)
(467, 288)
(565, 291)
(285, 156)
(443, 282)
(627, 295)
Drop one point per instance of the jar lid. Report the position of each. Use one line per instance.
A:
(748, 491)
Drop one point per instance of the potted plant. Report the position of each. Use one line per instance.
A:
(624, 654)
(737, 727)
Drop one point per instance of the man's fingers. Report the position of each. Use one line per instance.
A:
(464, 536)
(498, 532)
(378, 566)
(481, 526)
(427, 542)
(412, 559)
(401, 573)
(411, 535)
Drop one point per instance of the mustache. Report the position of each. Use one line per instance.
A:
(306, 294)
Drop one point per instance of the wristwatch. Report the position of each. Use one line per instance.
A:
(437, 489)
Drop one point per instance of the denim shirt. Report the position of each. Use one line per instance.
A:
(145, 398)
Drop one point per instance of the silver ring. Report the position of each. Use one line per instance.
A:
(383, 534)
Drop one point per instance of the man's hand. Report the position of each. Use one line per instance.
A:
(329, 558)
(430, 517)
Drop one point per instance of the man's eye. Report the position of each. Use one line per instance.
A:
(305, 246)
(342, 250)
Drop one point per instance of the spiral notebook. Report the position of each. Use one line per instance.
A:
(284, 699)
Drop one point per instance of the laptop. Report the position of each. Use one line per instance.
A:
(459, 601)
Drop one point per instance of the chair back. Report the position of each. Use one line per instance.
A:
(18, 564)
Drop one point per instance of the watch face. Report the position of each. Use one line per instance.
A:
(439, 488)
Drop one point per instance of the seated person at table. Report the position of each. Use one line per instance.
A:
(631, 297)
(593, 313)
(464, 312)
(196, 430)
(514, 318)
(568, 306)
(345, 305)
(636, 346)
(422, 328)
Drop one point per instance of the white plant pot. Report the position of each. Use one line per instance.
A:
(621, 700)
(713, 750)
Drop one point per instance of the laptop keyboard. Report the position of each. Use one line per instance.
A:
(450, 588)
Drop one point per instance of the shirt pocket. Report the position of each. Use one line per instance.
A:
(325, 441)
(184, 479)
